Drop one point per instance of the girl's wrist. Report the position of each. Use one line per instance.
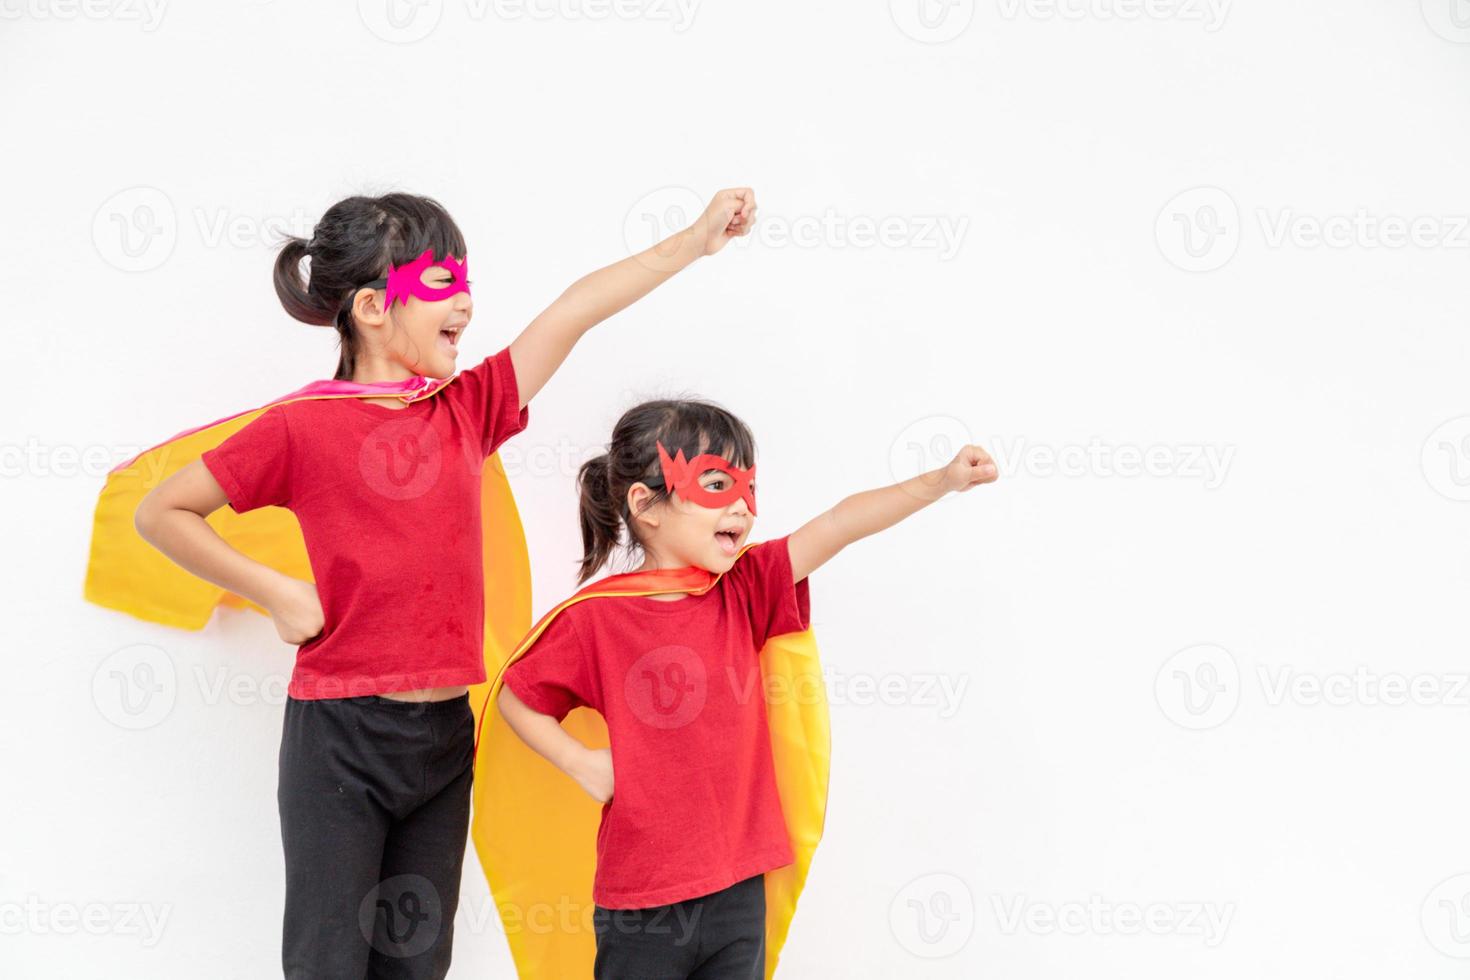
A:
(273, 586)
(929, 486)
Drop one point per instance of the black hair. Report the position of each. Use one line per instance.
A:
(690, 425)
(353, 244)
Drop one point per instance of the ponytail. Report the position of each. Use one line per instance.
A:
(292, 290)
(601, 516)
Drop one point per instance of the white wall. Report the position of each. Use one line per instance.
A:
(1130, 205)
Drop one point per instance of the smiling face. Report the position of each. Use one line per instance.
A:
(431, 308)
(678, 531)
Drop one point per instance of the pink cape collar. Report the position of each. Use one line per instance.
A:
(409, 390)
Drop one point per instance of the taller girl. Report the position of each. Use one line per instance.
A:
(376, 758)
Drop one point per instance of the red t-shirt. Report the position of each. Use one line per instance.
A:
(389, 504)
(679, 683)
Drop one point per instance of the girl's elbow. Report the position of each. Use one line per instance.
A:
(145, 517)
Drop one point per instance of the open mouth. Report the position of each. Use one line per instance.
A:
(729, 540)
(449, 339)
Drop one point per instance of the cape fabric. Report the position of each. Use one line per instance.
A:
(535, 829)
(126, 573)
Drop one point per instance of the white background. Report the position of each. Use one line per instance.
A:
(1136, 658)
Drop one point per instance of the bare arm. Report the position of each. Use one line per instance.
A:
(172, 519)
(545, 343)
(871, 511)
(591, 768)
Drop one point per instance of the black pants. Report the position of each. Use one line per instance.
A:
(715, 937)
(374, 797)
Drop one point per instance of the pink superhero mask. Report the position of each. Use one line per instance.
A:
(407, 280)
(682, 477)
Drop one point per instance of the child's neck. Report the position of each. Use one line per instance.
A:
(652, 563)
(379, 371)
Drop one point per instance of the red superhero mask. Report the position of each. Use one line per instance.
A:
(682, 477)
(407, 280)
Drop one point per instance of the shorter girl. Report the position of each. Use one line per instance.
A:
(695, 821)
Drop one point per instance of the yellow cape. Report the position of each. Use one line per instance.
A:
(126, 573)
(535, 830)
